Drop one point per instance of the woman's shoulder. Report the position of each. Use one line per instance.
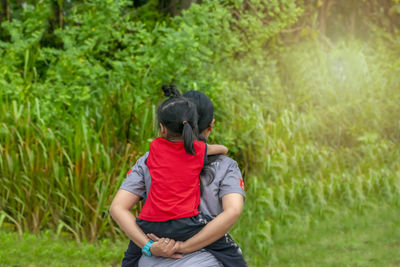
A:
(142, 159)
(222, 161)
(140, 163)
(227, 175)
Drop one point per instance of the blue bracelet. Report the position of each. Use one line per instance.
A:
(146, 248)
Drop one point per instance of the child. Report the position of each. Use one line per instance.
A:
(175, 161)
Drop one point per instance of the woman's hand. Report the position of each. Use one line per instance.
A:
(232, 205)
(164, 247)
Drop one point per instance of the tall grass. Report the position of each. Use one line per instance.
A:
(333, 139)
(60, 182)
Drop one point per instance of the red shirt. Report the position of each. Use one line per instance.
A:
(175, 190)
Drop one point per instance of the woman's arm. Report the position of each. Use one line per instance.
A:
(216, 149)
(232, 205)
(120, 211)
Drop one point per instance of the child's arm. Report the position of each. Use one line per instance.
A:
(216, 149)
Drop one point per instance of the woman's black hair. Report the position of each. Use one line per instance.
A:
(179, 115)
(205, 111)
(205, 108)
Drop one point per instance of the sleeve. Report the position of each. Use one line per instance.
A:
(135, 181)
(232, 181)
(205, 155)
(201, 152)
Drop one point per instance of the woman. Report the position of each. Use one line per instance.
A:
(221, 201)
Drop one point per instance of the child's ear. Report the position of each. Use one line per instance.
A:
(163, 131)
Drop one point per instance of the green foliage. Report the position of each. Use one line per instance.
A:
(311, 123)
(79, 110)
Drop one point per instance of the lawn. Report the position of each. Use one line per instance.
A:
(348, 238)
(49, 250)
(370, 238)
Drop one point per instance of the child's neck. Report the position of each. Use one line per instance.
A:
(174, 139)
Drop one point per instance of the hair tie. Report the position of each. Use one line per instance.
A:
(184, 122)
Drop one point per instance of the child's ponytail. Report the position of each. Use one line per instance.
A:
(188, 137)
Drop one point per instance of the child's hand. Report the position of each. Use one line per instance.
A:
(225, 149)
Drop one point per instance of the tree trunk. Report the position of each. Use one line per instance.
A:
(5, 11)
(175, 7)
(352, 24)
(185, 4)
(60, 14)
(323, 15)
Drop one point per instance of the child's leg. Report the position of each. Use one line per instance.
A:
(132, 256)
(227, 252)
(224, 249)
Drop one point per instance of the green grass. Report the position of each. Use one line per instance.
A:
(49, 250)
(370, 238)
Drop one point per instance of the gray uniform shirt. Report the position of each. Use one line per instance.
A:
(227, 179)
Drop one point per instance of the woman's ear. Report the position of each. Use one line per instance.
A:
(211, 125)
(208, 130)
